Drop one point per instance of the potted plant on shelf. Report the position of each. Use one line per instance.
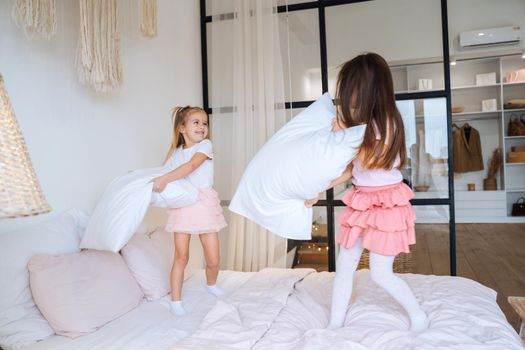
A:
(494, 165)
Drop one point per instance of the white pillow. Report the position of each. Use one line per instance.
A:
(20, 321)
(124, 203)
(177, 193)
(296, 164)
(80, 292)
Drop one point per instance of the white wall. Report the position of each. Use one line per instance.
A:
(78, 139)
(400, 30)
(466, 15)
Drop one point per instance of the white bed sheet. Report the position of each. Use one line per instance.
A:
(151, 325)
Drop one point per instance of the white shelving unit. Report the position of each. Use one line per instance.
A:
(479, 205)
(514, 172)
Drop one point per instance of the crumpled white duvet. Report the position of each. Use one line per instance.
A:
(239, 320)
(260, 315)
(123, 205)
(463, 315)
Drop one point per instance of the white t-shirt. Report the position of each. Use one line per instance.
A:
(202, 177)
(376, 177)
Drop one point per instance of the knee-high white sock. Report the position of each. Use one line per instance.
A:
(343, 281)
(381, 272)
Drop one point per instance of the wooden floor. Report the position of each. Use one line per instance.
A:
(492, 254)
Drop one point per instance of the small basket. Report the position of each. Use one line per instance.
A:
(402, 262)
(516, 157)
(421, 188)
(514, 103)
(490, 184)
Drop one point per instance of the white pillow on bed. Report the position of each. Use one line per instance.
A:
(296, 164)
(123, 205)
(21, 323)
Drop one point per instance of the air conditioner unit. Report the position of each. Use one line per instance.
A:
(490, 37)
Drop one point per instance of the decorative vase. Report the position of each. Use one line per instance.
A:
(490, 184)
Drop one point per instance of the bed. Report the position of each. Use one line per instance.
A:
(269, 309)
(289, 308)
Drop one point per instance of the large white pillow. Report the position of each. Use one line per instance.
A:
(20, 321)
(296, 164)
(123, 205)
(80, 292)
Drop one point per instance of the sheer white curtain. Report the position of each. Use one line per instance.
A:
(246, 58)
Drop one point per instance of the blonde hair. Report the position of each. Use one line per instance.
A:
(179, 115)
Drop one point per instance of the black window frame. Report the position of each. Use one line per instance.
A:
(330, 203)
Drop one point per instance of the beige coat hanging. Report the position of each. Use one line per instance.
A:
(467, 149)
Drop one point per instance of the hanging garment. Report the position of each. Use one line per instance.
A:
(421, 161)
(467, 149)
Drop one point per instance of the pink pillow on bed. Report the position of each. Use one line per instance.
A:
(78, 293)
(149, 258)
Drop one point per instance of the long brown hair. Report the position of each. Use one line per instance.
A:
(365, 95)
(179, 115)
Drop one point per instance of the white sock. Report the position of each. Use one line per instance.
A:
(177, 308)
(381, 273)
(215, 290)
(344, 279)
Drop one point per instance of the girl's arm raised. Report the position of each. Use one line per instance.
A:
(347, 174)
(159, 183)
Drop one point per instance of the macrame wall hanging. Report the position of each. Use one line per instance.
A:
(98, 53)
(148, 25)
(36, 17)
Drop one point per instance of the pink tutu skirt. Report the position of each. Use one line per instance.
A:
(203, 216)
(381, 215)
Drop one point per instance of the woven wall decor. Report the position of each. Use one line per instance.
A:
(36, 17)
(98, 53)
(148, 25)
(20, 192)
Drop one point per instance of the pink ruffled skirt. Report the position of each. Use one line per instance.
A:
(381, 215)
(203, 216)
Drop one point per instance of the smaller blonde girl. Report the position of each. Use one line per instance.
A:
(191, 157)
